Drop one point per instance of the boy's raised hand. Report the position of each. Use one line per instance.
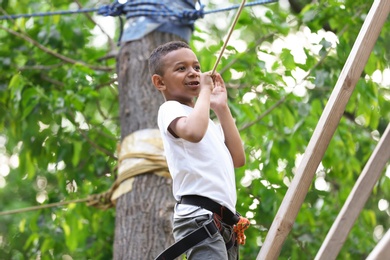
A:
(206, 81)
(218, 97)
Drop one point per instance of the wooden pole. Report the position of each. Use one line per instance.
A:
(356, 199)
(382, 249)
(324, 131)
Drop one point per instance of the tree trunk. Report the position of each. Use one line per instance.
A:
(143, 226)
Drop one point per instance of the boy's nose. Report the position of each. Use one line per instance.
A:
(193, 72)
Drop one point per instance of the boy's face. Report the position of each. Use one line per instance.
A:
(181, 79)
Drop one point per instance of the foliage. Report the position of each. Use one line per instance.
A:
(59, 124)
(287, 97)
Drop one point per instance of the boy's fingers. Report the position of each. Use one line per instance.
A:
(216, 78)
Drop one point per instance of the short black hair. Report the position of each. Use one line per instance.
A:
(155, 60)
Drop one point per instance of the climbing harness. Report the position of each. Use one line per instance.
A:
(224, 213)
(209, 228)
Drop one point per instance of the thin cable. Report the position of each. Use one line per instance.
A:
(15, 211)
(16, 16)
(228, 36)
(261, 2)
(117, 12)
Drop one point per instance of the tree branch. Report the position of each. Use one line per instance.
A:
(268, 111)
(259, 41)
(105, 84)
(41, 67)
(53, 81)
(98, 147)
(111, 43)
(53, 53)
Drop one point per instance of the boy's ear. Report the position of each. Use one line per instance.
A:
(158, 82)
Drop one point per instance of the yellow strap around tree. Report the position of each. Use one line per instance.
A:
(140, 152)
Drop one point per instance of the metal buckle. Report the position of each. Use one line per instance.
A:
(211, 228)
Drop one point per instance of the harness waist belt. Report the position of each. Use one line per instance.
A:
(224, 213)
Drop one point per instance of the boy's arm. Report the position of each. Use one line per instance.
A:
(221, 109)
(232, 136)
(193, 127)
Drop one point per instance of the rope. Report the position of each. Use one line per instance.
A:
(130, 10)
(58, 204)
(228, 36)
(239, 229)
(153, 9)
(17, 16)
(262, 2)
(100, 201)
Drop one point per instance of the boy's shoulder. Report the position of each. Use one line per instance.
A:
(169, 104)
(173, 104)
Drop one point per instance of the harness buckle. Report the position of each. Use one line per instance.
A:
(211, 227)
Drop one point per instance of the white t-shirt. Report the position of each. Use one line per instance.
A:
(204, 168)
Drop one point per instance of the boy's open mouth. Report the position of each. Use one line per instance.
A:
(193, 83)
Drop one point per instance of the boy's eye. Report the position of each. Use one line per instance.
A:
(183, 68)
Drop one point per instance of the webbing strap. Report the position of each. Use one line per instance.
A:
(208, 229)
(224, 213)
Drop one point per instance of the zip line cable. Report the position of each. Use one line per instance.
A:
(17, 16)
(117, 9)
(44, 206)
(100, 201)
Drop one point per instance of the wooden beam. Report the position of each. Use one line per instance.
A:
(324, 131)
(356, 199)
(382, 249)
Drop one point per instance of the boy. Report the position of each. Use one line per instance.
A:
(201, 156)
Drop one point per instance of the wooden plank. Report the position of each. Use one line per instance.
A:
(356, 199)
(324, 131)
(382, 249)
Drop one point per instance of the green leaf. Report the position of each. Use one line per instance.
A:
(22, 225)
(287, 59)
(77, 147)
(16, 86)
(47, 245)
(29, 101)
(309, 16)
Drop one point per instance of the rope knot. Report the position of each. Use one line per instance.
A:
(193, 14)
(101, 201)
(239, 229)
(115, 9)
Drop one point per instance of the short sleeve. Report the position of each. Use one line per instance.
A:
(168, 112)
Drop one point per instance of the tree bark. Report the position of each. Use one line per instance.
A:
(143, 225)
